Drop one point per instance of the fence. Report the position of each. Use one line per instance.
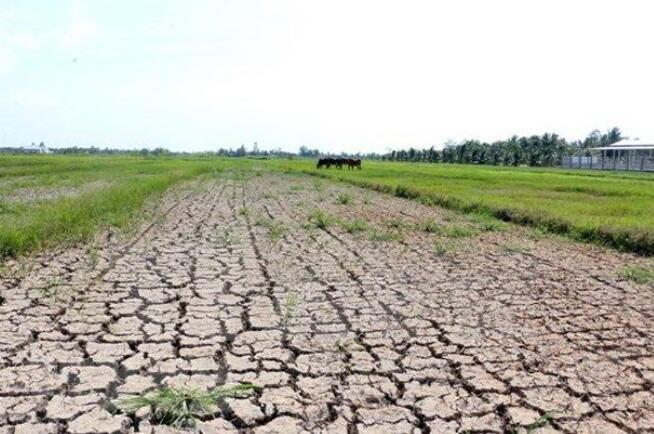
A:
(640, 164)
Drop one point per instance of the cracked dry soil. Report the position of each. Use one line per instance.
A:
(343, 334)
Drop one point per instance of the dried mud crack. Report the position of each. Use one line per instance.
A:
(493, 331)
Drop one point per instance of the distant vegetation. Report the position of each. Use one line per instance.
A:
(536, 151)
(544, 151)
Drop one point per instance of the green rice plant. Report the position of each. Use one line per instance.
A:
(180, 407)
(637, 274)
(319, 219)
(355, 225)
(344, 198)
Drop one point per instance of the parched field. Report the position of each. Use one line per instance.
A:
(351, 311)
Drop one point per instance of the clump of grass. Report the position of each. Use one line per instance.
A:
(226, 237)
(344, 198)
(318, 185)
(488, 223)
(275, 229)
(406, 192)
(355, 225)
(94, 256)
(430, 226)
(637, 274)
(52, 290)
(396, 223)
(457, 231)
(244, 211)
(318, 218)
(537, 234)
(546, 418)
(384, 236)
(6, 208)
(180, 408)
(441, 248)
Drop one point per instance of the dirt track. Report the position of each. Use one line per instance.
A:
(343, 334)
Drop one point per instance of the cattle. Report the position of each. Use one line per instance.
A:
(338, 163)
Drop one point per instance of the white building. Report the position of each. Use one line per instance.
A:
(627, 154)
(41, 149)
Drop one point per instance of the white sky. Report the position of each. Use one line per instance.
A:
(337, 75)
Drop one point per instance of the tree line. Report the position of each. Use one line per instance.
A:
(545, 150)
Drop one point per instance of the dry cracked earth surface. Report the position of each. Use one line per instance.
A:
(355, 320)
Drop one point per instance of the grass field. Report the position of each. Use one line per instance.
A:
(612, 208)
(50, 200)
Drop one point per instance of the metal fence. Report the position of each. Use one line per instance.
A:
(639, 164)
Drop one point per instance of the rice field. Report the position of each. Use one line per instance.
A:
(50, 200)
(611, 208)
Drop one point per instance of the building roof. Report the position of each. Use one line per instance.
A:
(635, 144)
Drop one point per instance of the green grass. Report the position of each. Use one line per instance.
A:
(320, 219)
(384, 236)
(344, 198)
(275, 229)
(180, 408)
(443, 248)
(66, 199)
(637, 274)
(355, 225)
(610, 208)
(430, 226)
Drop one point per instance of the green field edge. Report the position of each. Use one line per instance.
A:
(626, 241)
(69, 221)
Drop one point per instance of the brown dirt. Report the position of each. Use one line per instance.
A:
(491, 333)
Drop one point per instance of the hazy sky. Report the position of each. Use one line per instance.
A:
(337, 75)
